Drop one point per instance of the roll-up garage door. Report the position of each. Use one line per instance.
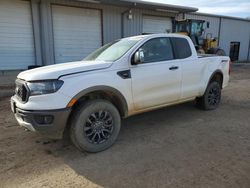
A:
(77, 32)
(16, 35)
(156, 24)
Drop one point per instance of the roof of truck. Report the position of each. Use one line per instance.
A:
(159, 35)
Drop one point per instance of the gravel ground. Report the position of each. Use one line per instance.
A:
(178, 146)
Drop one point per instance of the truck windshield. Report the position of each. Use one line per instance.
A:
(113, 51)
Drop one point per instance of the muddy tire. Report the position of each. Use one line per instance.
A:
(95, 126)
(211, 98)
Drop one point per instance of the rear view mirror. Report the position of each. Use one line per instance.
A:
(138, 57)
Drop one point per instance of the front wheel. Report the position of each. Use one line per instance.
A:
(211, 98)
(95, 126)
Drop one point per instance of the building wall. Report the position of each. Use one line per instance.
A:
(115, 24)
(235, 31)
(114, 20)
(227, 30)
(111, 24)
(16, 35)
(111, 17)
(134, 26)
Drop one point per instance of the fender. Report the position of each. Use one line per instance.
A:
(122, 101)
(212, 75)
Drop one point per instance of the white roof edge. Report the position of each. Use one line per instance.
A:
(163, 5)
(220, 16)
(159, 35)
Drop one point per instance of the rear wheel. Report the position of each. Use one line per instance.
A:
(95, 126)
(211, 99)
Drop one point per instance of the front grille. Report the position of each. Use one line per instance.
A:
(21, 90)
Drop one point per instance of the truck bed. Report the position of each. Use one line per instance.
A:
(206, 55)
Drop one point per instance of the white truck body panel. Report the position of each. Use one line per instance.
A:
(151, 85)
(56, 71)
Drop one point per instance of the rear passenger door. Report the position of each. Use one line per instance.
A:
(157, 80)
(192, 68)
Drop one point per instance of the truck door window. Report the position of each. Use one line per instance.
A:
(158, 49)
(181, 48)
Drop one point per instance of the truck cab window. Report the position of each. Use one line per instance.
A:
(181, 43)
(158, 49)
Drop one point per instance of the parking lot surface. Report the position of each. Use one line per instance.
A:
(178, 146)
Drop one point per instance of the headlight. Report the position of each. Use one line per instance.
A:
(44, 87)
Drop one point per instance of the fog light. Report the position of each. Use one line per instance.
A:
(48, 119)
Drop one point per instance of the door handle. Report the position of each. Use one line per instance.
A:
(173, 68)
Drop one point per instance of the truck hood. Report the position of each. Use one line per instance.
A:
(58, 70)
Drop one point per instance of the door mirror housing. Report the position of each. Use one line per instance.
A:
(138, 57)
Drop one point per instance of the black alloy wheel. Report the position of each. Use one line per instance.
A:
(99, 127)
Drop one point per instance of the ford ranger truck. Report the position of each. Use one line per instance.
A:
(132, 75)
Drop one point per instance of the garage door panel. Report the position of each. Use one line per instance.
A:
(73, 52)
(75, 18)
(77, 32)
(67, 34)
(23, 26)
(22, 11)
(80, 27)
(16, 35)
(16, 40)
(22, 57)
(77, 42)
(155, 24)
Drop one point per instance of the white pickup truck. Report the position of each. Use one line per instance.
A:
(129, 76)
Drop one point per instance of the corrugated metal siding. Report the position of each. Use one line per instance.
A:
(72, 39)
(115, 25)
(214, 24)
(134, 26)
(235, 31)
(16, 35)
(111, 17)
(112, 24)
(158, 13)
(156, 24)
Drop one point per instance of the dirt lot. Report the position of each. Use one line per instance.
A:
(179, 146)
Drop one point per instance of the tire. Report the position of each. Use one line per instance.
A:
(220, 52)
(211, 98)
(95, 126)
(216, 51)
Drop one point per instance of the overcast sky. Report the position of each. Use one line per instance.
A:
(238, 8)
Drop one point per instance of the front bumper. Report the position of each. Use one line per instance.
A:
(34, 121)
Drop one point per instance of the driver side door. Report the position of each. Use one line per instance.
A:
(156, 80)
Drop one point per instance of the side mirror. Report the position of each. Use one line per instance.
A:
(138, 57)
